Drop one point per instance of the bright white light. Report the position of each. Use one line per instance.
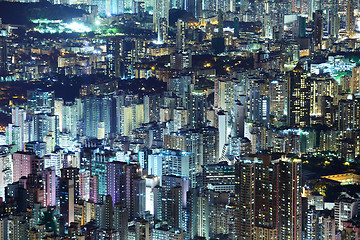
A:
(227, 29)
(78, 27)
(158, 42)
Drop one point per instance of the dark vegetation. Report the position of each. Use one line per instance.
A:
(21, 13)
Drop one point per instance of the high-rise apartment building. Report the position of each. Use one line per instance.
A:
(173, 162)
(161, 19)
(3, 51)
(298, 110)
(68, 193)
(318, 29)
(333, 18)
(23, 164)
(116, 185)
(197, 109)
(268, 198)
(350, 19)
(181, 26)
(99, 116)
(121, 220)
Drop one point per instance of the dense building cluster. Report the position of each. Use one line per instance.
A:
(154, 120)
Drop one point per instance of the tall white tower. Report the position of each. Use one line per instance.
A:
(161, 18)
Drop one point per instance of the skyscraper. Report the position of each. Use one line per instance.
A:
(259, 105)
(333, 19)
(13, 137)
(197, 109)
(22, 164)
(3, 51)
(245, 193)
(268, 198)
(43, 126)
(113, 66)
(187, 141)
(18, 116)
(173, 162)
(218, 42)
(40, 101)
(49, 179)
(161, 19)
(347, 111)
(210, 145)
(99, 112)
(278, 99)
(116, 185)
(99, 169)
(181, 117)
(68, 193)
(301, 26)
(109, 212)
(219, 177)
(129, 57)
(6, 175)
(121, 57)
(180, 34)
(236, 27)
(133, 189)
(94, 189)
(350, 19)
(288, 188)
(194, 7)
(121, 220)
(142, 231)
(130, 117)
(172, 207)
(58, 110)
(223, 132)
(203, 220)
(139, 196)
(223, 94)
(170, 201)
(116, 6)
(318, 29)
(69, 119)
(298, 99)
(181, 60)
(268, 20)
(238, 127)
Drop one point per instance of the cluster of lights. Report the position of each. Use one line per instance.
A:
(77, 27)
(58, 26)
